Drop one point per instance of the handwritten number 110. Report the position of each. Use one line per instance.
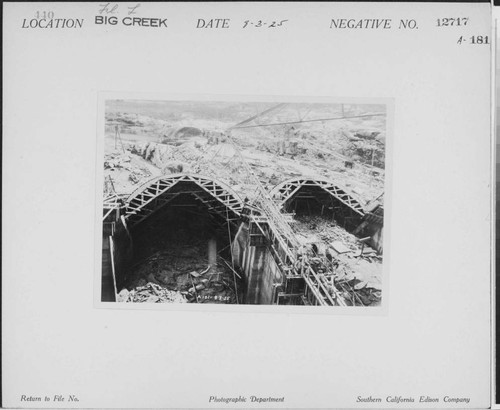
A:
(44, 15)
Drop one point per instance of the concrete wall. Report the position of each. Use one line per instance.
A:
(272, 277)
(122, 253)
(240, 243)
(107, 278)
(254, 267)
(260, 268)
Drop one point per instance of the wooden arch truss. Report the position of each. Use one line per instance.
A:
(156, 193)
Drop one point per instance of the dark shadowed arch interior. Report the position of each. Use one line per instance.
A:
(180, 223)
(312, 197)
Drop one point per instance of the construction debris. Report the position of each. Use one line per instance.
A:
(339, 247)
(182, 268)
(251, 161)
(359, 293)
(117, 160)
(151, 293)
(333, 251)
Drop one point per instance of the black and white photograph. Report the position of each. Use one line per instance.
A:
(223, 202)
(284, 205)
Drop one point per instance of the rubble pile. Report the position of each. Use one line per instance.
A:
(200, 156)
(151, 293)
(139, 174)
(319, 229)
(155, 153)
(182, 272)
(359, 293)
(116, 162)
(354, 268)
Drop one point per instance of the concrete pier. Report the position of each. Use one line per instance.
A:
(212, 252)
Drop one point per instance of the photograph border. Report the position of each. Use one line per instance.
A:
(382, 310)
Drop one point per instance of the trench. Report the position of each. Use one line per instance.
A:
(191, 248)
(182, 254)
(325, 228)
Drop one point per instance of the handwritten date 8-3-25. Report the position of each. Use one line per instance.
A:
(452, 21)
(260, 23)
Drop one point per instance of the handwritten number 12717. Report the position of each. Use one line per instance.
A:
(452, 21)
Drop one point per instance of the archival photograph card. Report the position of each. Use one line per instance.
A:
(247, 205)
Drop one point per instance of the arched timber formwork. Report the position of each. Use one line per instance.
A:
(286, 190)
(157, 192)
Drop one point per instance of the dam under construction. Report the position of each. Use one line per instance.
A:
(282, 207)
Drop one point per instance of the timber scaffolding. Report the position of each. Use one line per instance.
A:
(319, 290)
(286, 250)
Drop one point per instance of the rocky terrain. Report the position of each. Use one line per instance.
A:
(343, 151)
(341, 143)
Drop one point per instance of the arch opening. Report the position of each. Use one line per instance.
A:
(326, 219)
(181, 242)
(319, 198)
(311, 201)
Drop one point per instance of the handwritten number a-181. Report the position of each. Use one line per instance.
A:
(479, 40)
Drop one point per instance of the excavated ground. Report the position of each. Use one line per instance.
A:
(144, 151)
(169, 269)
(183, 272)
(171, 253)
(355, 269)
